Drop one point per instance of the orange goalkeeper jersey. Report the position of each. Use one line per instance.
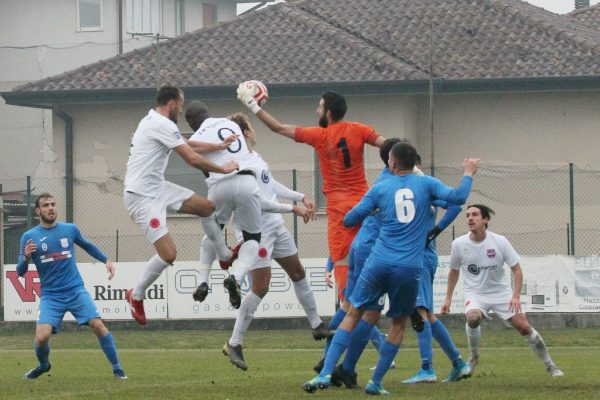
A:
(340, 149)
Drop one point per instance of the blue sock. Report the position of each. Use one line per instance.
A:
(424, 338)
(110, 349)
(441, 335)
(386, 356)
(336, 320)
(377, 338)
(42, 354)
(339, 344)
(358, 341)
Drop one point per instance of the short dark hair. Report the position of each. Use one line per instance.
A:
(242, 121)
(41, 197)
(336, 104)
(486, 212)
(166, 94)
(405, 154)
(384, 150)
(196, 114)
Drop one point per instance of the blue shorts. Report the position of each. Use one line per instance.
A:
(400, 283)
(425, 296)
(78, 303)
(356, 263)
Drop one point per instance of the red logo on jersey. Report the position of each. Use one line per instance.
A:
(262, 252)
(26, 293)
(154, 223)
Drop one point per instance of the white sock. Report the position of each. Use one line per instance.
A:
(473, 339)
(307, 299)
(214, 233)
(154, 267)
(247, 258)
(245, 315)
(539, 347)
(207, 256)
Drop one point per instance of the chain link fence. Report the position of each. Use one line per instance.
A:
(542, 209)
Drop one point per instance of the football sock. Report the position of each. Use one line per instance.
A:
(538, 346)
(358, 341)
(441, 335)
(473, 339)
(386, 356)
(247, 257)
(245, 315)
(154, 267)
(377, 338)
(339, 344)
(42, 353)
(306, 298)
(425, 346)
(215, 234)
(336, 320)
(107, 343)
(207, 256)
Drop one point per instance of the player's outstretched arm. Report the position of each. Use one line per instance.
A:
(246, 97)
(205, 148)
(362, 210)
(198, 161)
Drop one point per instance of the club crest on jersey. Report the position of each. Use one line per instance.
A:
(474, 269)
(154, 223)
(64, 242)
(177, 135)
(265, 176)
(44, 246)
(491, 253)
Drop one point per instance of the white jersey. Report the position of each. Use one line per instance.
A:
(269, 189)
(151, 145)
(216, 130)
(482, 264)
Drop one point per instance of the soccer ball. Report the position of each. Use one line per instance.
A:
(260, 92)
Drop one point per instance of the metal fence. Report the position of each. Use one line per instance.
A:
(542, 209)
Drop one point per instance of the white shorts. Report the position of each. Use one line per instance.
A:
(278, 242)
(238, 195)
(500, 305)
(150, 213)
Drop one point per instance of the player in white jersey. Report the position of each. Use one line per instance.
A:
(279, 245)
(235, 193)
(148, 195)
(481, 256)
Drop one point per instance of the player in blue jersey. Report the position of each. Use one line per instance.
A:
(359, 251)
(50, 246)
(395, 263)
(432, 327)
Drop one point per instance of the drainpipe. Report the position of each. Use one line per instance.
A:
(66, 118)
(120, 25)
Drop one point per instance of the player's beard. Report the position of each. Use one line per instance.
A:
(323, 121)
(48, 219)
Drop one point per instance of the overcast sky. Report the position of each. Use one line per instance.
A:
(556, 6)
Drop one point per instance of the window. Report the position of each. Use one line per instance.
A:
(143, 16)
(89, 15)
(209, 15)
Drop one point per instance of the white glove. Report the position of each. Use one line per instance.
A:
(245, 92)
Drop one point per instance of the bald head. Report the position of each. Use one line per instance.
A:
(195, 114)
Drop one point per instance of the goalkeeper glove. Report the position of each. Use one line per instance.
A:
(432, 234)
(244, 93)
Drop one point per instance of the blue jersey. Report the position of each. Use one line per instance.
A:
(452, 211)
(366, 236)
(405, 204)
(55, 257)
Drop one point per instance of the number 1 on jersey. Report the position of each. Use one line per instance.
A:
(345, 152)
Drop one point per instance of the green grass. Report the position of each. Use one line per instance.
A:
(189, 364)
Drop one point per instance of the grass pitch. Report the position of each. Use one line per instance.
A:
(189, 364)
